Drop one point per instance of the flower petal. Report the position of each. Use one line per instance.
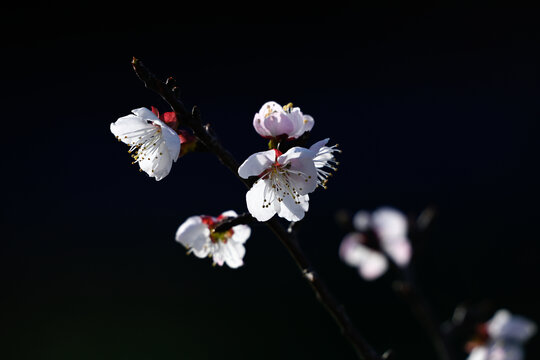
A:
(361, 220)
(255, 164)
(145, 114)
(399, 249)
(375, 265)
(171, 140)
(290, 209)
(254, 201)
(389, 222)
(229, 213)
(240, 233)
(128, 128)
(195, 235)
(233, 253)
(318, 145)
(504, 325)
(302, 172)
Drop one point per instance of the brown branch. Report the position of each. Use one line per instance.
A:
(228, 223)
(362, 348)
(408, 290)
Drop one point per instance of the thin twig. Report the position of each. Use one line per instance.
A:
(406, 287)
(362, 348)
(230, 222)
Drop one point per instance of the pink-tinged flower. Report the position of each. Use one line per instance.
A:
(155, 146)
(324, 160)
(198, 236)
(285, 180)
(379, 235)
(273, 120)
(501, 338)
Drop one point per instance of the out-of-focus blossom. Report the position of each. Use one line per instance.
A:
(379, 234)
(273, 121)
(155, 146)
(198, 236)
(285, 180)
(324, 160)
(501, 338)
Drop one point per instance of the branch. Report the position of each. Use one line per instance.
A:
(185, 118)
(228, 223)
(406, 287)
(362, 348)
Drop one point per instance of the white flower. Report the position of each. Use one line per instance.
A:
(324, 158)
(155, 145)
(198, 236)
(504, 325)
(272, 120)
(380, 234)
(285, 180)
(506, 335)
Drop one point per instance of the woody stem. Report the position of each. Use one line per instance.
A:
(363, 350)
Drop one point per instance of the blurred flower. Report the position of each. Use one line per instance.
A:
(198, 236)
(154, 144)
(501, 338)
(285, 180)
(272, 121)
(380, 234)
(324, 158)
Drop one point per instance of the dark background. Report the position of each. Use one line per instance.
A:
(432, 106)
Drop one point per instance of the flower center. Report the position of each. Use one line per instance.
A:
(281, 184)
(146, 145)
(215, 237)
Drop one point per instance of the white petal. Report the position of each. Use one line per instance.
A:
(229, 213)
(302, 171)
(479, 353)
(255, 164)
(504, 351)
(233, 253)
(128, 128)
(278, 124)
(240, 233)
(194, 234)
(301, 122)
(399, 249)
(371, 264)
(254, 201)
(351, 250)
(374, 266)
(361, 220)
(145, 114)
(259, 126)
(157, 161)
(504, 325)
(308, 123)
(318, 145)
(290, 210)
(172, 140)
(389, 222)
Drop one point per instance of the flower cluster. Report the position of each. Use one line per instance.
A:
(283, 183)
(285, 179)
(381, 236)
(501, 338)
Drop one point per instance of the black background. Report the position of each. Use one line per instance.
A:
(432, 106)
